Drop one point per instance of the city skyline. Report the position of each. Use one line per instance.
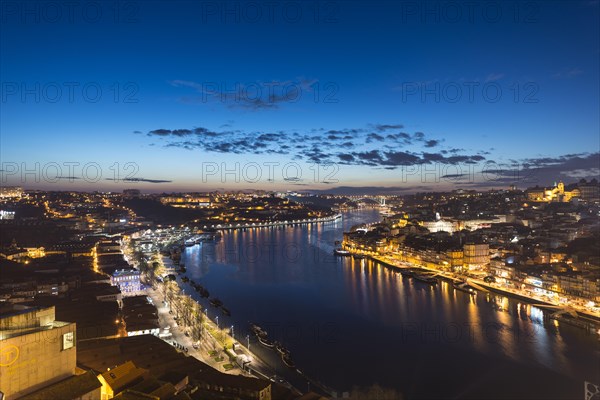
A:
(226, 96)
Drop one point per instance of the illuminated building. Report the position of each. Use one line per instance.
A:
(36, 350)
(439, 225)
(557, 193)
(128, 280)
(116, 379)
(7, 214)
(476, 255)
(186, 201)
(11, 192)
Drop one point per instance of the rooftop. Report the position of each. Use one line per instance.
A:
(70, 388)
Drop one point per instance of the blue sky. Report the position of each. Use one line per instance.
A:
(400, 95)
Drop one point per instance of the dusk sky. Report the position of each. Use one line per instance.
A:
(399, 95)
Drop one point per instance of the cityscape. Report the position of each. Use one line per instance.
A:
(236, 200)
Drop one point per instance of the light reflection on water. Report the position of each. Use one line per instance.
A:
(288, 277)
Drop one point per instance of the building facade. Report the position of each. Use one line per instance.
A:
(35, 350)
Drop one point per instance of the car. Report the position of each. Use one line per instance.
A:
(489, 279)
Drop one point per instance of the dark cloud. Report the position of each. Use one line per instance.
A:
(322, 146)
(348, 158)
(160, 132)
(397, 158)
(374, 137)
(387, 127)
(140, 180)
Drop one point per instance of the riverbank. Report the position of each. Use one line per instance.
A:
(588, 321)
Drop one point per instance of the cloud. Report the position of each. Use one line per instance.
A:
(494, 77)
(140, 180)
(387, 127)
(545, 170)
(253, 96)
(348, 146)
(568, 73)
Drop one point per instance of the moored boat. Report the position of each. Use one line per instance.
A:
(341, 252)
(257, 330)
(280, 349)
(288, 361)
(425, 278)
(463, 286)
(216, 302)
(264, 341)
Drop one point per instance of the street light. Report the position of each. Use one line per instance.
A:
(217, 322)
(232, 335)
(248, 339)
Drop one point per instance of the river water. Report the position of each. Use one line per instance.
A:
(356, 323)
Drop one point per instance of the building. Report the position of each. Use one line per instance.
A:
(556, 193)
(439, 225)
(476, 255)
(7, 214)
(186, 201)
(117, 379)
(11, 192)
(35, 349)
(589, 192)
(128, 280)
(85, 386)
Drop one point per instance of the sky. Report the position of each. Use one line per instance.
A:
(339, 96)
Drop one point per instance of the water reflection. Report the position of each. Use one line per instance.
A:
(381, 326)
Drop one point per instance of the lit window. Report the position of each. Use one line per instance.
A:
(68, 340)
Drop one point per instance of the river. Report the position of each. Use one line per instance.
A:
(356, 323)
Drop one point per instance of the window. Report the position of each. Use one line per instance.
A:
(68, 341)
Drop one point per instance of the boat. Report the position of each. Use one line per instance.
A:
(262, 339)
(216, 302)
(190, 242)
(280, 349)
(463, 286)
(359, 256)
(425, 278)
(257, 330)
(288, 361)
(225, 311)
(341, 252)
